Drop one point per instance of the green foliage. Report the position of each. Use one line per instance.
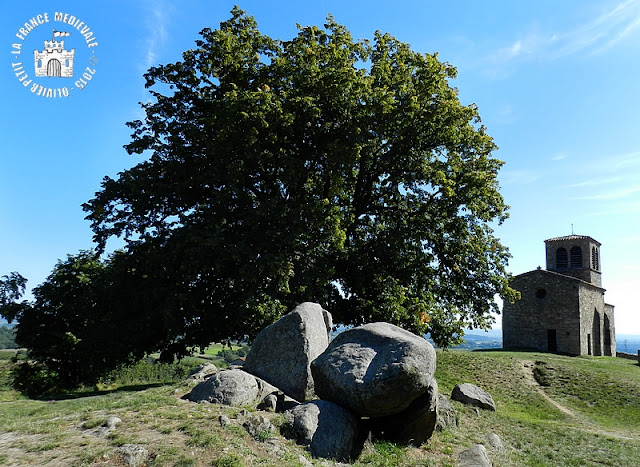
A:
(71, 334)
(316, 169)
(33, 380)
(148, 371)
(230, 355)
(321, 168)
(7, 338)
(12, 287)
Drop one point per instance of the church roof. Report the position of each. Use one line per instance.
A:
(571, 237)
(560, 276)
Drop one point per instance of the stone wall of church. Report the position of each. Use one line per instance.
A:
(598, 327)
(547, 317)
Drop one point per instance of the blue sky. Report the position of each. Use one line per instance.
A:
(556, 83)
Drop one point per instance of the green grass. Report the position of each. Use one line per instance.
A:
(602, 427)
(602, 393)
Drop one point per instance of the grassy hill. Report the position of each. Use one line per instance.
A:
(552, 410)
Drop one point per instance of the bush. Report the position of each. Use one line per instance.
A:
(149, 371)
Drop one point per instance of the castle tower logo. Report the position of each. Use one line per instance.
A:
(64, 57)
(54, 60)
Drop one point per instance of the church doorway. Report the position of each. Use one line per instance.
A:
(597, 346)
(552, 342)
(607, 337)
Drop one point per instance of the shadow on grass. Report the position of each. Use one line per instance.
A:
(98, 392)
(524, 350)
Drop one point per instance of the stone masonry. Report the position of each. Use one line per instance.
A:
(562, 308)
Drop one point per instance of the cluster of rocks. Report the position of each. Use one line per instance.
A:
(376, 380)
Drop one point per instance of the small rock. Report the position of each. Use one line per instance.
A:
(223, 420)
(133, 455)
(269, 403)
(475, 456)
(111, 423)
(494, 442)
(473, 395)
(258, 427)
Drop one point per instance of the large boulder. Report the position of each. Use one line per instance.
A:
(281, 353)
(414, 425)
(375, 370)
(327, 430)
(231, 387)
(471, 394)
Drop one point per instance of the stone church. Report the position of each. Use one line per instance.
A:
(562, 308)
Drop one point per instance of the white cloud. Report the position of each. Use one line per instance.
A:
(156, 25)
(593, 37)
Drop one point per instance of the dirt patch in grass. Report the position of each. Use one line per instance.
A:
(528, 370)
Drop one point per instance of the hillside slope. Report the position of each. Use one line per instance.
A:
(587, 413)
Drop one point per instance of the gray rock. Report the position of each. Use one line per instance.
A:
(111, 422)
(475, 456)
(375, 370)
(327, 430)
(107, 427)
(447, 415)
(201, 373)
(494, 442)
(223, 420)
(414, 425)
(269, 403)
(230, 387)
(258, 426)
(133, 455)
(281, 353)
(471, 394)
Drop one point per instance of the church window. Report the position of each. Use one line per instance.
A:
(562, 259)
(576, 257)
(594, 258)
(541, 293)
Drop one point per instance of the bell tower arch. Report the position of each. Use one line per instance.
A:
(576, 256)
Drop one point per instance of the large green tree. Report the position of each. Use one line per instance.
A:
(321, 168)
(88, 317)
(65, 327)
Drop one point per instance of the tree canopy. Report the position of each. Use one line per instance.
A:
(320, 168)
